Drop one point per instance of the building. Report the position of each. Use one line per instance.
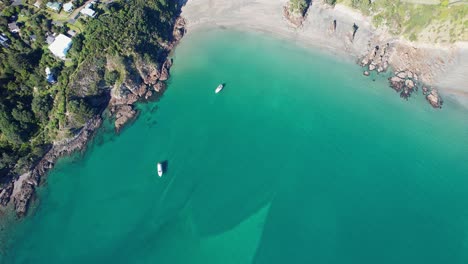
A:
(68, 7)
(37, 4)
(13, 27)
(56, 6)
(71, 33)
(50, 39)
(4, 41)
(60, 46)
(88, 11)
(50, 76)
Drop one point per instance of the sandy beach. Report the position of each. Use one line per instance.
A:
(267, 16)
(441, 66)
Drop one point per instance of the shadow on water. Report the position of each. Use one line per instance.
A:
(165, 166)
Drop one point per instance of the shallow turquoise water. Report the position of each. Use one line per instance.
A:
(300, 159)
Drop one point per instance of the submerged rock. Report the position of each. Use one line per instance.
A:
(409, 84)
(123, 114)
(5, 194)
(434, 99)
(22, 200)
(425, 90)
(366, 73)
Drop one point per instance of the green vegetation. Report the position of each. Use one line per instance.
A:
(35, 113)
(443, 22)
(299, 6)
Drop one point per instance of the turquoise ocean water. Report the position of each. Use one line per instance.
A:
(300, 159)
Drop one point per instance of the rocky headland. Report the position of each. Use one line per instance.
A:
(337, 29)
(144, 81)
(150, 80)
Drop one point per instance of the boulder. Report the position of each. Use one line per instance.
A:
(123, 115)
(165, 70)
(434, 99)
(425, 90)
(409, 84)
(159, 86)
(401, 75)
(142, 90)
(148, 94)
(409, 74)
(21, 200)
(5, 194)
(397, 83)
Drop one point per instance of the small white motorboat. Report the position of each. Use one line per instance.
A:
(160, 169)
(219, 88)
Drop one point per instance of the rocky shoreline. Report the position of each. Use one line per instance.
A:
(28, 185)
(151, 80)
(404, 82)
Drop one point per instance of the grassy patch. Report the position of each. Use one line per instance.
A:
(411, 20)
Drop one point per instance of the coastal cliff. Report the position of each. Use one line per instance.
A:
(111, 73)
(31, 180)
(149, 81)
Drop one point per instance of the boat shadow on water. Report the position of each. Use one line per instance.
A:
(165, 165)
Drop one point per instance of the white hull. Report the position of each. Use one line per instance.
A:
(219, 88)
(160, 170)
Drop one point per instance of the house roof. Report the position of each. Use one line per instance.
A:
(68, 7)
(88, 11)
(50, 39)
(71, 33)
(3, 38)
(60, 46)
(13, 27)
(54, 5)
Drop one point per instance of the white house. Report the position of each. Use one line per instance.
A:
(68, 7)
(56, 6)
(88, 12)
(60, 46)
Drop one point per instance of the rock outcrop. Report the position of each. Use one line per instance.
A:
(434, 99)
(296, 17)
(151, 77)
(5, 194)
(22, 199)
(122, 103)
(404, 82)
(377, 58)
(141, 80)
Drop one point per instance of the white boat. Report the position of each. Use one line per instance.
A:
(219, 88)
(160, 169)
